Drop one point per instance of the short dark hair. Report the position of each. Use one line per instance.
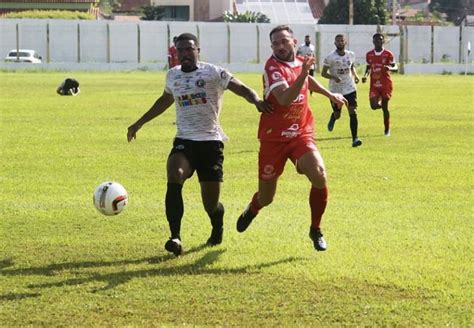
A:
(339, 36)
(378, 35)
(280, 28)
(187, 37)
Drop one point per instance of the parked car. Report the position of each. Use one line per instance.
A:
(24, 56)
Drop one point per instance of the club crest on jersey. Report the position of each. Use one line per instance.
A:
(223, 75)
(276, 76)
(200, 83)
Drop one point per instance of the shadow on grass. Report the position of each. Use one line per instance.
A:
(112, 280)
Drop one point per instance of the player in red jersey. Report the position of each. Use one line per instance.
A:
(173, 54)
(287, 132)
(380, 62)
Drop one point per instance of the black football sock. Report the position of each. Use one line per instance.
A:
(353, 124)
(174, 208)
(217, 218)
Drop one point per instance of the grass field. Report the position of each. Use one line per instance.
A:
(399, 224)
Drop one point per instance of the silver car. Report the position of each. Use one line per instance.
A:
(23, 56)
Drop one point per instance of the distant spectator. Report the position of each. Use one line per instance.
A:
(69, 87)
(173, 55)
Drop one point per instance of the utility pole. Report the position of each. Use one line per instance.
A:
(351, 12)
(394, 12)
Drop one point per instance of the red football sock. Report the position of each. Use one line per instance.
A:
(318, 199)
(255, 206)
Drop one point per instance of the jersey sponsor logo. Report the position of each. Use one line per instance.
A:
(191, 99)
(294, 113)
(200, 83)
(300, 98)
(292, 131)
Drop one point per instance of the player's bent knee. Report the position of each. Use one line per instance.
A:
(176, 176)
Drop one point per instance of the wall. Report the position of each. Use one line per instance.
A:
(146, 42)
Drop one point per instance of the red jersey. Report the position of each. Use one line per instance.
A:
(379, 75)
(172, 57)
(286, 122)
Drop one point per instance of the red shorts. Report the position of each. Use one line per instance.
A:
(273, 155)
(384, 92)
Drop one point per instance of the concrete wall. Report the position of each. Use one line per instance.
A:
(146, 42)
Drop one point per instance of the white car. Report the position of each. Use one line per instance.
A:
(24, 56)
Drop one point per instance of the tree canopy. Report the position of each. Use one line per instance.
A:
(453, 8)
(368, 12)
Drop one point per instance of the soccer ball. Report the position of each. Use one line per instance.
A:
(110, 198)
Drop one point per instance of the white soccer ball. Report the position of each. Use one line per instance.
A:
(110, 198)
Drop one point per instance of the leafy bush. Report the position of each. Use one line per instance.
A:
(153, 13)
(51, 14)
(246, 17)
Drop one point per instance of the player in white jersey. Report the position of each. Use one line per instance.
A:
(307, 49)
(196, 88)
(339, 68)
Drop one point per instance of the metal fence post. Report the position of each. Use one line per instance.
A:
(401, 56)
(108, 43)
(78, 43)
(228, 44)
(48, 50)
(318, 51)
(460, 44)
(258, 43)
(17, 42)
(432, 45)
(138, 43)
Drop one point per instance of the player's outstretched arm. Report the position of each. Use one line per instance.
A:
(367, 70)
(393, 67)
(325, 73)
(317, 87)
(354, 74)
(160, 105)
(240, 89)
(285, 94)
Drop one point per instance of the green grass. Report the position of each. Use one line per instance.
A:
(399, 222)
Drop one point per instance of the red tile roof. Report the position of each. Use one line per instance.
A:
(317, 7)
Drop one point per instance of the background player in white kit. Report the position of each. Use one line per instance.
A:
(307, 49)
(197, 90)
(339, 68)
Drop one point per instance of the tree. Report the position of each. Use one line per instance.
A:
(368, 12)
(453, 8)
(246, 17)
(154, 13)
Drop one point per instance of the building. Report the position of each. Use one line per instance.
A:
(279, 11)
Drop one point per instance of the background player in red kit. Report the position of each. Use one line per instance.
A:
(173, 54)
(287, 133)
(380, 62)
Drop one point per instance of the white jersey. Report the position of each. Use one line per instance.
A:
(340, 66)
(198, 99)
(304, 50)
